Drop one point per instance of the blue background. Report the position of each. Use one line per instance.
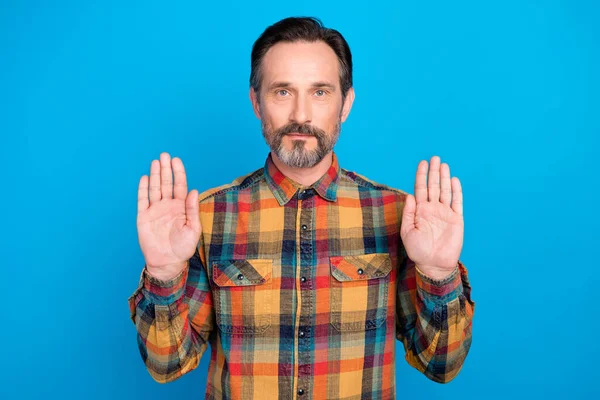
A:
(506, 92)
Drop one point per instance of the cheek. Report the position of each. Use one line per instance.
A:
(327, 117)
(274, 116)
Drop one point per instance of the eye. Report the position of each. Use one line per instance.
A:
(281, 92)
(320, 93)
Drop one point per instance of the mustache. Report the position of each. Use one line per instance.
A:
(303, 129)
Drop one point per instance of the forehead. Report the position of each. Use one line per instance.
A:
(300, 63)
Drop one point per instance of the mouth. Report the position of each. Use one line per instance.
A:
(299, 135)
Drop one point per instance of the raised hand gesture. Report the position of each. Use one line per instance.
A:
(432, 221)
(168, 220)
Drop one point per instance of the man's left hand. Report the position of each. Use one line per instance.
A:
(432, 220)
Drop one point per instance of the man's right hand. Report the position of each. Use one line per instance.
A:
(168, 220)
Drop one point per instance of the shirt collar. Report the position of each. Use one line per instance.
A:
(284, 188)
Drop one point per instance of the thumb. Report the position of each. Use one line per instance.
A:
(192, 211)
(408, 213)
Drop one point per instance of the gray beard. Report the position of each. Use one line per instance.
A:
(299, 156)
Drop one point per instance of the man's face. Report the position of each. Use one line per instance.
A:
(300, 105)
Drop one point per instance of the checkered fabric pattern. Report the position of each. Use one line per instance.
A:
(301, 293)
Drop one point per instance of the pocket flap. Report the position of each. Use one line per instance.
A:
(241, 272)
(359, 267)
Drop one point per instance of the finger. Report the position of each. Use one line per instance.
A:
(408, 213)
(457, 197)
(154, 182)
(166, 176)
(421, 182)
(143, 194)
(446, 191)
(433, 183)
(192, 211)
(180, 186)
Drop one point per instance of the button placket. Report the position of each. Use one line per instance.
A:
(306, 292)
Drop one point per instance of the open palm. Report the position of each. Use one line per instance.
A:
(432, 227)
(168, 222)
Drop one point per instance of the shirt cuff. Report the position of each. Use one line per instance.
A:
(440, 291)
(164, 292)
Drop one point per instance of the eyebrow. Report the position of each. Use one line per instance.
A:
(319, 84)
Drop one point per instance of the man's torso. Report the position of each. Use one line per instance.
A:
(303, 286)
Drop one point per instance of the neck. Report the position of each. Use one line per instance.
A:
(304, 176)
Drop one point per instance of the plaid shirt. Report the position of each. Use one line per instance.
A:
(302, 293)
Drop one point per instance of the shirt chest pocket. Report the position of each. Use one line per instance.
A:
(242, 295)
(359, 291)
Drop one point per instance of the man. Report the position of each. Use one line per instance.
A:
(301, 275)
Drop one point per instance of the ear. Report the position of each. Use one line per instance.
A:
(255, 105)
(347, 104)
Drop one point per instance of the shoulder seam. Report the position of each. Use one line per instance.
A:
(248, 181)
(359, 180)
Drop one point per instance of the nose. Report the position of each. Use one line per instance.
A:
(301, 112)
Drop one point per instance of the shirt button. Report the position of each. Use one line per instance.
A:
(240, 277)
(360, 271)
(300, 392)
(304, 227)
(301, 334)
(303, 279)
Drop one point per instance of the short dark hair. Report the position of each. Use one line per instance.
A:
(309, 29)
